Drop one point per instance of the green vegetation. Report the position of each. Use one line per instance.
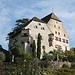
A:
(28, 64)
(34, 49)
(2, 56)
(39, 46)
(21, 21)
(17, 50)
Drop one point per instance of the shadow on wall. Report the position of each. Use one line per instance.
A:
(29, 45)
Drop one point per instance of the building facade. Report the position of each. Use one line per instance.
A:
(54, 35)
(60, 37)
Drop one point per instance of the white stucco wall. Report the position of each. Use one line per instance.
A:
(44, 33)
(62, 31)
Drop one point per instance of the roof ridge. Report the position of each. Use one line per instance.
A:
(53, 16)
(37, 19)
(50, 16)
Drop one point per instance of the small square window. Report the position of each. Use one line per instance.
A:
(67, 41)
(58, 33)
(54, 25)
(42, 28)
(60, 39)
(36, 27)
(56, 22)
(40, 24)
(50, 39)
(58, 27)
(58, 46)
(55, 32)
(56, 38)
(64, 35)
(25, 34)
(63, 40)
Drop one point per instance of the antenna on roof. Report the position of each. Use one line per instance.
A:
(52, 10)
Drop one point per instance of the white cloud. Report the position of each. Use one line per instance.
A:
(11, 10)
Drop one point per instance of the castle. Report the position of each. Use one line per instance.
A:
(54, 35)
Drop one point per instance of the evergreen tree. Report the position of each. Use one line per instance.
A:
(39, 46)
(16, 51)
(21, 21)
(34, 49)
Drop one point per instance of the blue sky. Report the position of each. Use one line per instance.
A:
(11, 10)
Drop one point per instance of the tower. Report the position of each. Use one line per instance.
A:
(60, 37)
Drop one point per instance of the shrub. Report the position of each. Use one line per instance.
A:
(2, 56)
(73, 66)
(65, 66)
(71, 58)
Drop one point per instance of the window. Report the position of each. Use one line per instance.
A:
(65, 48)
(36, 27)
(58, 27)
(50, 39)
(56, 22)
(55, 32)
(56, 38)
(64, 35)
(60, 39)
(42, 28)
(40, 24)
(58, 33)
(54, 25)
(67, 41)
(43, 47)
(58, 46)
(24, 34)
(63, 40)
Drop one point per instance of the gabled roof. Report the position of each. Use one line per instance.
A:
(50, 16)
(25, 24)
(33, 19)
(38, 20)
